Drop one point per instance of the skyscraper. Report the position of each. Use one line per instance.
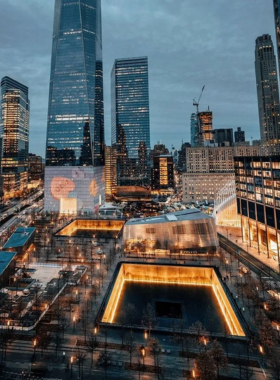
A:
(277, 27)
(131, 120)
(194, 130)
(15, 129)
(267, 91)
(205, 123)
(239, 135)
(75, 132)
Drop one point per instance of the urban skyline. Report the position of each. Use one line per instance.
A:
(183, 86)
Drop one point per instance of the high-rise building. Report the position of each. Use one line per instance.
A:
(205, 123)
(223, 136)
(277, 27)
(75, 132)
(131, 121)
(210, 169)
(239, 135)
(163, 174)
(15, 127)
(194, 130)
(267, 92)
(110, 167)
(158, 150)
(35, 167)
(258, 202)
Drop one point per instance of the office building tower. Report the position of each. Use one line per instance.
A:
(158, 150)
(267, 92)
(111, 174)
(276, 4)
(35, 167)
(223, 136)
(209, 169)
(181, 165)
(1, 178)
(75, 132)
(163, 174)
(239, 135)
(131, 121)
(206, 133)
(258, 202)
(15, 127)
(194, 130)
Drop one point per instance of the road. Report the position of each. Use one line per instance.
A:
(250, 261)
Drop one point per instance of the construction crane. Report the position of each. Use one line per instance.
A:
(196, 103)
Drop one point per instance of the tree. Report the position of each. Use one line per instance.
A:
(157, 244)
(266, 332)
(275, 365)
(149, 317)
(155, 350)
(198, 330)
(129, 341)
(205, 366)
(91, 345)
(81, 356)
(219, 357)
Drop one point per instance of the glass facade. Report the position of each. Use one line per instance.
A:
(194, 130)
(75, 132)
(267, 91)
(131, 121)
(277, 27)
(186, 230)
(258, 202)
(15, 129)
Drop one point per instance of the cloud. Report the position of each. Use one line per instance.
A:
(189, 44)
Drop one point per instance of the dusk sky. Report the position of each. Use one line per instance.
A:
(189, 43)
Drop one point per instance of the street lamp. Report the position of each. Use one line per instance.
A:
(145, 334)
(34, 346)
(74, 322)
(143, 353)
(71, 364)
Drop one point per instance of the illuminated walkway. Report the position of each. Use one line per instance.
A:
(260, 262)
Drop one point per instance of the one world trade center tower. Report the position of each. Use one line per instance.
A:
(74, 178)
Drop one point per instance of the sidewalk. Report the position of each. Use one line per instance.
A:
(234, 234)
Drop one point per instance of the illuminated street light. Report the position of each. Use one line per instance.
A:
(146, 334)
(71, 362)
(143, 353)
(34, 346)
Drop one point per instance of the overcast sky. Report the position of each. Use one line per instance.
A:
(190, 43)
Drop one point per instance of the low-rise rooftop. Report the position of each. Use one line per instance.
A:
(20, 237)
(5, 259)
(178, 216)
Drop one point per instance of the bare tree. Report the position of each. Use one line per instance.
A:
(91, 344)
(198, 330)
(205, 366)
(129, 341)
(275, 365)
(149, 318)
(81, 357)
(155, 350)
(219, 357)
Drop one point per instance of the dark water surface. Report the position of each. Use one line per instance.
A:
(197, 303)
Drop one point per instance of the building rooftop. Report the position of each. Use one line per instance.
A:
(178, 216)
(20, 237)
(5, 259)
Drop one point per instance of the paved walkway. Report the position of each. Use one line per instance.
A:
(234, 234)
